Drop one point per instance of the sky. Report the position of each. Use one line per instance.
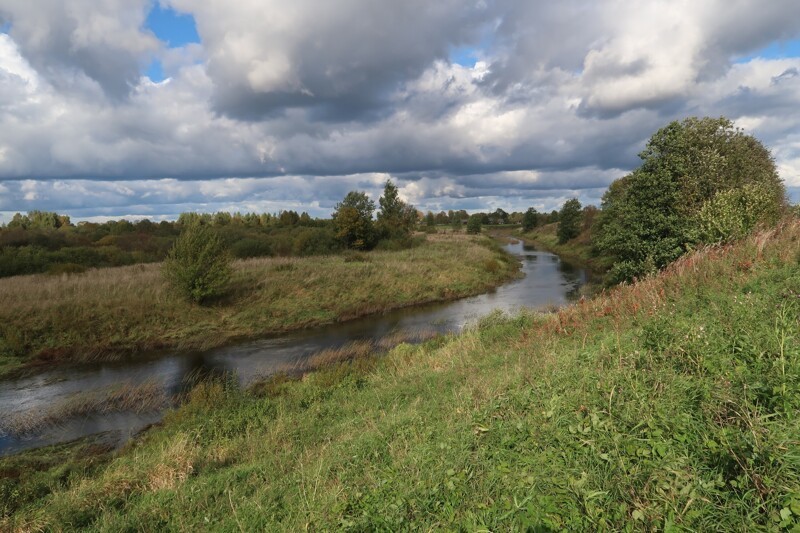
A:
(137, 108)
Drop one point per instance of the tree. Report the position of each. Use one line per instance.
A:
(529, 219)
(474, 224)
(288, 218)
(701, 180)
(499, 217)
(396, 219)
(198, 266)
(352, 220)
(569, 220)
(430, 219)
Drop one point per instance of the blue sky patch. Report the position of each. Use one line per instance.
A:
(776, 50)
(175, 29)
(155, 71)
(466, 56)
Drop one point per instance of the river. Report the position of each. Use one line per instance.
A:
(547, 282)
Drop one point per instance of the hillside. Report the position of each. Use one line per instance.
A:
(668, 404)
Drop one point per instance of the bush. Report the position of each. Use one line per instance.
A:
(352, 220)
(569, 220)
(701, 181)
(250, 247)
(734, 213)
(474, 225)
(198, 266)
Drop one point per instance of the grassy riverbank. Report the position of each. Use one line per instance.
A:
(577, 250)
(112, 312)
(669, 404)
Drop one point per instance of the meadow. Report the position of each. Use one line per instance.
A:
(110, 313)
(668, 404)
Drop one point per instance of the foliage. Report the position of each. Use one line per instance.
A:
(734, 213)
(569, 220)
(198, 265)
(474, 224)
(352, 219)
(396, 219)
(529, 219)
(692, 173)
(643, 227)
(39, 220)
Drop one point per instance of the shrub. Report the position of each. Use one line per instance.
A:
(734, 213)
(315, 241)
(198, 266)
(529, 219)
(474, 224)
(250, 247)
(701, 181)
(569, 220)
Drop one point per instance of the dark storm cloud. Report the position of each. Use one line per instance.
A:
(340, 59)
(73, 43)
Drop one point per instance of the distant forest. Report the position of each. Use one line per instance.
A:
(40, 241)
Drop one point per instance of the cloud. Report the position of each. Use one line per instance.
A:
(81, 44)
(339, 59)
(298, 103)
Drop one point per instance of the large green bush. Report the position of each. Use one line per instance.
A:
(198, 265)
(701, 181)
(474, 224)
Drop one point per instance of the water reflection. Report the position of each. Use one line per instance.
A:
(548, 281)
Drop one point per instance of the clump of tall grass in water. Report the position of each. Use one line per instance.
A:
(142, 398)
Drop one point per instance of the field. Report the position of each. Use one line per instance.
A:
(670, 404)
(116, 312)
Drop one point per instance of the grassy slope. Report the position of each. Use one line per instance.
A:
(670, 403)
(109, 312)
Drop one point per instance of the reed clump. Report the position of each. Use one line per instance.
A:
(145, 397)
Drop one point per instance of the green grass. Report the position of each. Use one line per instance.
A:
(114, 312)
(671, 404)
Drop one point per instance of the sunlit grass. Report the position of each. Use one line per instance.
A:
(113, 312)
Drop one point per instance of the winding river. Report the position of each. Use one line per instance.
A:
(548, 281)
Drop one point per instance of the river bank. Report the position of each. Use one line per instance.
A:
(578, 250)
(67, 402)
(113, 313)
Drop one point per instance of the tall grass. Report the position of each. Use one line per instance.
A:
(141, 398)
(670, 404)
(114, 312)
